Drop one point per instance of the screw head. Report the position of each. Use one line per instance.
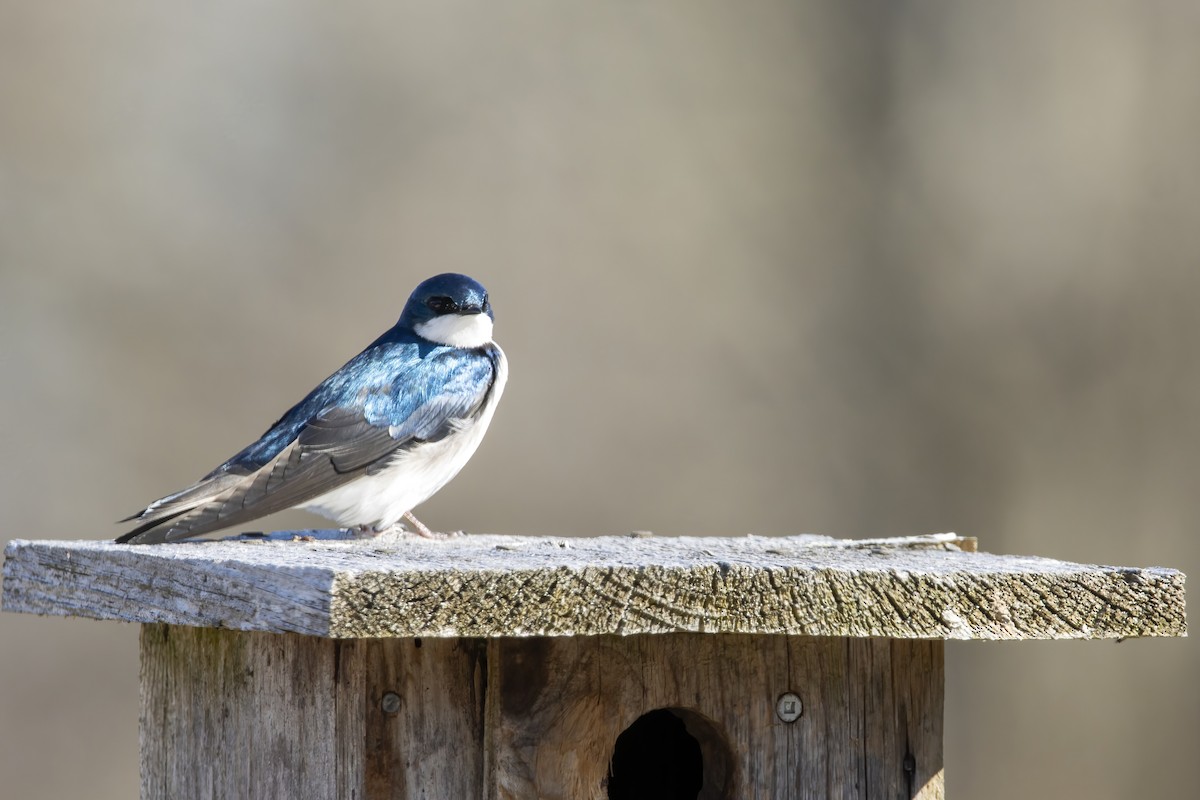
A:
(788, 707)
(390, 703)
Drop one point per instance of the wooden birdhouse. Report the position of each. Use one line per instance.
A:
(303, 666)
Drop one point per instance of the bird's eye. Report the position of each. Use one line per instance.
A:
(441, 305)
(486, 303)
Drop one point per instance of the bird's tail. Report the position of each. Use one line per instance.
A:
(173, 506)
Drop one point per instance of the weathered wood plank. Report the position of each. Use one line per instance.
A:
(254, 715)
(565, 701)
(228, 714)
(411, 722)
(487, 586)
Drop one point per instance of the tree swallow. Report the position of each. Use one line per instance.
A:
(374, 440)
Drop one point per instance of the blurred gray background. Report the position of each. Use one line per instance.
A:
(862, 269)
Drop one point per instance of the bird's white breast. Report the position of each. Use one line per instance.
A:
(414, 475)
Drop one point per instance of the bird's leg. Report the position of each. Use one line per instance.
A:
(414, 528)
(422, 530)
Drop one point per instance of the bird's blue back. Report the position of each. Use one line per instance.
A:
(400, 381)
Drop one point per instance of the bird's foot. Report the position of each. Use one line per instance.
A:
(414, 528)
(423, 530)
(373, 533)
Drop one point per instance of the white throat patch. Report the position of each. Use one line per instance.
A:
(454, 330)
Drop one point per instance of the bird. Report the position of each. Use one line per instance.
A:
(375, 439)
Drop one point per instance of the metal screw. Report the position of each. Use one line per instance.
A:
(788, 707)
(390, 703)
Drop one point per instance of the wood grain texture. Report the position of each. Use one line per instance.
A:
(254, 715)
(431, 743)
(872, 722)
(488, 586)
(236, 715)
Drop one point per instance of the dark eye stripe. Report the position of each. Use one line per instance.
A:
(441, 305)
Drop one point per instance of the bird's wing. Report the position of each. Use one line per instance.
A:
(331, 448)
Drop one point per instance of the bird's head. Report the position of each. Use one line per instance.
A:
(450, 309)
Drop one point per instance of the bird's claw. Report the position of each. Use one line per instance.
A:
(424, 531)
(414, 527)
